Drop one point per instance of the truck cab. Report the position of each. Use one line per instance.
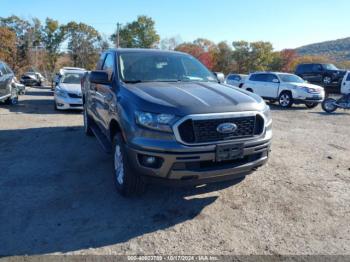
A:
(165, 118)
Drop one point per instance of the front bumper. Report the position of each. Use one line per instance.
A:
(191, 166)
(68, 103)
(308, 97)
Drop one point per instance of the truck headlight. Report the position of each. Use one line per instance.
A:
(60, 92)
(267, 115)
(161, 122)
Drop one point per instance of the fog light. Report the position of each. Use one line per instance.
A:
(150, 161)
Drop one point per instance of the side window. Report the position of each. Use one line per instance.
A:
(271, 78)
(108, 64)
(262, 77)
(231, 77)
(348, 78)
(301, 69)
(253, 78)
(307, 68)
(100, 61)
(316, 68)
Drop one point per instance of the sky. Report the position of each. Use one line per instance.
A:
(285, 23)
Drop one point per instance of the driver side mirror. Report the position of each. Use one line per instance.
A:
(220, 77)
(99, 77)
(275, 80)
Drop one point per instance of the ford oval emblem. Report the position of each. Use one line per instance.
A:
(226, 128)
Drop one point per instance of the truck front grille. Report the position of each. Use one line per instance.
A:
(195, 131)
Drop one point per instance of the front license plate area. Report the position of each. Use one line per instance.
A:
(228, 152)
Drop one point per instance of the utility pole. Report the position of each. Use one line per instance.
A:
(118, 30)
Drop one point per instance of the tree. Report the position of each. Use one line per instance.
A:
(241, 55)
(8, 46)
(138, 34)
(255, 56)
(20, 27)
(170, 43)
(224, 59)
(52, 37)
(83, 44)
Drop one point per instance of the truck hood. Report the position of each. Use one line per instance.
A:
(184, 98)
(71, 88)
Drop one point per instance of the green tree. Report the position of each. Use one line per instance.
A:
(224, 59)
(84, 43)
(255, 56)
(138, 34)
(52, 37)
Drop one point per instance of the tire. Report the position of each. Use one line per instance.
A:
(311, 105)
(328, 105)
(285, 100)
(55, 105)
(11, 101)
(127, 181)
(87, 123)
(327, 80)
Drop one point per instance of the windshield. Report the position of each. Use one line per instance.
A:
(290, 78)
(71, 78)
(330, 67)
(161, 67)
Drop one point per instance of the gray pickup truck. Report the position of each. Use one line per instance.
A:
(165, 118)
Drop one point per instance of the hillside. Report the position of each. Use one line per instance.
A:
(338, 50)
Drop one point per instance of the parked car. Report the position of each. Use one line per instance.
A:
(326, 74)
(164, 117)
(235, 79)
(58, 75)
(284, 88)
(67, 93)
(8, 88)
(32, 79)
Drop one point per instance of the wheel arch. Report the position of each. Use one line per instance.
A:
(114, 128)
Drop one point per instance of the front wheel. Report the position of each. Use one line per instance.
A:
(311, 105)
(329, 105)
(285, 100)
(327, 80)
(126, 180)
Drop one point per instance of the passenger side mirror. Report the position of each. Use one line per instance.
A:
(1, 74)
(220, 76)
(99, 77)
(275, 80)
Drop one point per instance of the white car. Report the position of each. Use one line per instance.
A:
(345, 85)
(235, 79)
(67, 94)
(284, 88)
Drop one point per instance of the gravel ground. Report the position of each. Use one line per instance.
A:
(56, 192)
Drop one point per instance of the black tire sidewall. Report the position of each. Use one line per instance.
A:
(324, 107)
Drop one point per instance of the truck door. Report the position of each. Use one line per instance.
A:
(317, 73)
(105, 94)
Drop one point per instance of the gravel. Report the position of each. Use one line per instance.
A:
(57, 194)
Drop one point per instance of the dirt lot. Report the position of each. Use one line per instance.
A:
(56, 192)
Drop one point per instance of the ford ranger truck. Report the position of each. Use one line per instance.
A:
(165, 118)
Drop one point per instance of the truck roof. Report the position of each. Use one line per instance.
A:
(143, 50)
